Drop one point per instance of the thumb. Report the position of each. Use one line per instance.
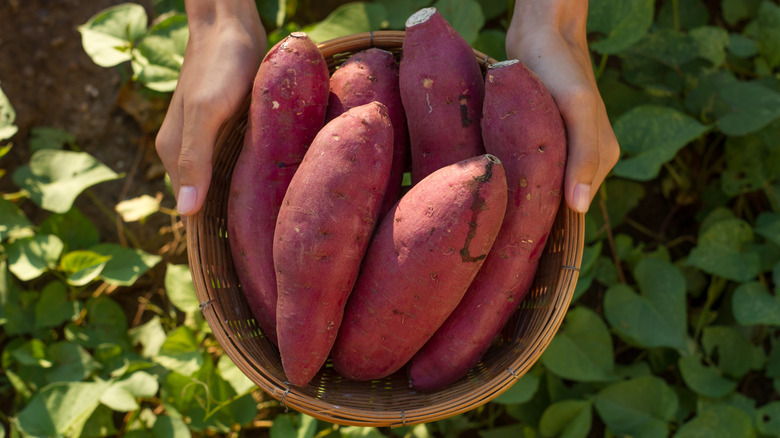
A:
(195, 165)
(580, 115)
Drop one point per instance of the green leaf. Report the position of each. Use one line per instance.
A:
(83, 266)
(348, 19)
(657, 317)
(12, 220)
(718, 422)
(55, 178)
(108, 36)
(29, 258)
(160, 54)
(621, 22)
(688, 14)
(493, 9)
(711, 42)
(492, 42)
(521, 392)
(179, 288)
(7, 117)
(166, 426)
(769, 33)
(151, 335)
(567, 419)
(465, 16)
(640, 407)
(74, 229)
(667, 46)
(752, 304)
(106, 324)
(122, 395)
(742, 46)
(735, 354)
(721, 251)
(180, 352)
(750, 165)
(54, 307)
(582, 349)
(32, 353)
(768, 226)
(704, 379)
(72, 363)
(233, 375)
(752, 106)
(138, 209)
(768, 422)
(650, 136)
(511, 431)
(100, 424)
(735, 11)
(126, 264)
(44, 137)
(60, 409)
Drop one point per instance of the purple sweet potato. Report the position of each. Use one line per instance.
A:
(522, 126)
(372, 75)
(322, 232)
(442, 89)
(421, 260)
(287, 109)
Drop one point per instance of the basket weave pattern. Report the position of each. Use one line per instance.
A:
(389, 401)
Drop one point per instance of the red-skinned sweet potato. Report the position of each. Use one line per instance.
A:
(421, 260)
(522, 126)
(442, 89)
(323, 229)
(287, 109)
(367, 76)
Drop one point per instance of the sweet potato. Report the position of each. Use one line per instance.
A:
(421, 260)
(287, 109)
(442, 89)
(372, 75)
(322, 232)
(522, 126)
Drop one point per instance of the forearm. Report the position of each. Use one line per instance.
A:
(534, 19)
(207, 16)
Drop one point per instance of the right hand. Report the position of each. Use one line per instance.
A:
(226, 44)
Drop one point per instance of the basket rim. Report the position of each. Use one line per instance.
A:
(436, 408)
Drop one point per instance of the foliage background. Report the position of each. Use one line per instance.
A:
(675, 325)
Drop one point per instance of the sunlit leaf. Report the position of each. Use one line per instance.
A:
(54, 178)
(640, 407)
(179, 288)
(138, 209)
(122, 395)
(12, 219)
(233, 375)
(60, 409)
(151, 335)
(83, 266)
(7, 117)
(29, 258)
(180, 352)
(166, 426)
(126, 265)
(348, 19)
(650, 136)
(160, 54)
(108, 36)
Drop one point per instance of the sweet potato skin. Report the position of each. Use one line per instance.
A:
(372, 75)
(422, 258)
(522, 126)
(442, 89)
(287, 109)
(323, 229)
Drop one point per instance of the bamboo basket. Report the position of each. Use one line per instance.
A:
(389, 401)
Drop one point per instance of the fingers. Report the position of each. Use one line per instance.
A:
(199, 133)
(168, 140)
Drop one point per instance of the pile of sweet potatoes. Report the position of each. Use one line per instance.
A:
(337, 259)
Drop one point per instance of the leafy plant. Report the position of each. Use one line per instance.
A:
(674, 326)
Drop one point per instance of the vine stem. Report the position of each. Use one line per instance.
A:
(611, 237)
(602, 66)
(713, 293)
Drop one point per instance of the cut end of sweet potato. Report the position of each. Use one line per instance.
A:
(420, 16)
(503, 63)
(492, 158)
(299, 34)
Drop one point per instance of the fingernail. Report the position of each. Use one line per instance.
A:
(581, 197)
(188, 195)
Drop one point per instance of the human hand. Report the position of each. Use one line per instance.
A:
(226, 44)
(549, 37)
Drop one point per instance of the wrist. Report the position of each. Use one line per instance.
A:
(203, 13)
(534, 19)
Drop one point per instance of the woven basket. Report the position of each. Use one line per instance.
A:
(386, 402)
